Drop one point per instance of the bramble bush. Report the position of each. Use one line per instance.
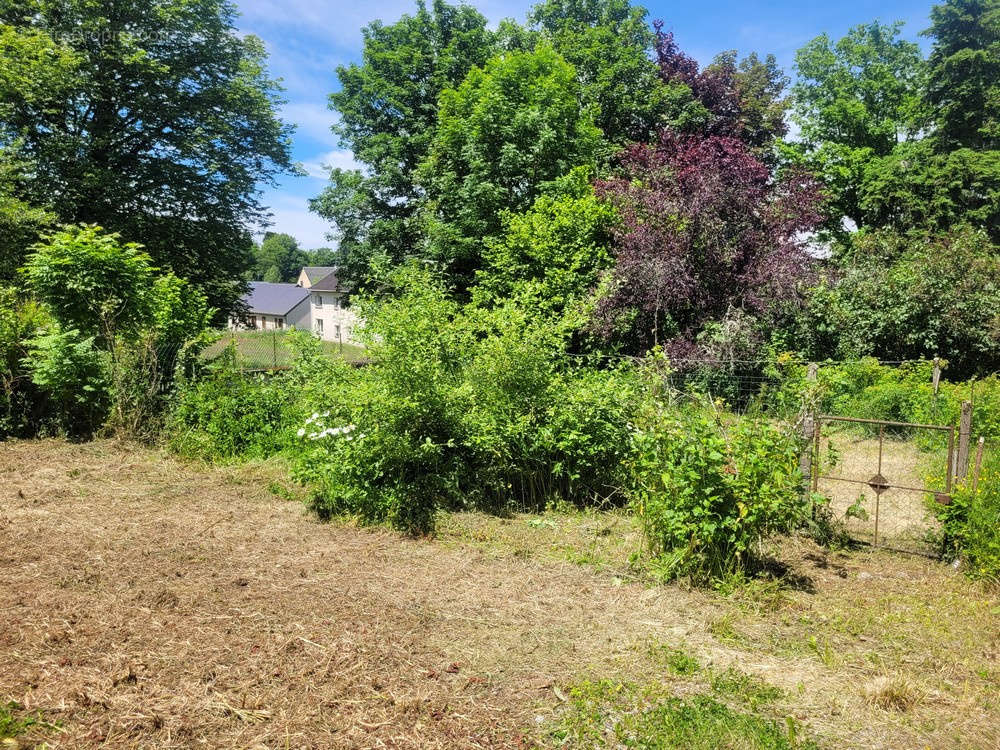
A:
(463, 408)
(230, 414)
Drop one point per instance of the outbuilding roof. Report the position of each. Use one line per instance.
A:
(268, 298)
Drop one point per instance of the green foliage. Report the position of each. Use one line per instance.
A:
(608, 42)
(91, 280)
(508, 129)
(72, 373)
(278, 259)
(610, 714)
(964, 74)
(20, 223)
(462, 408)
(917, 187)
(551, 256)
(388, 110)
(912, 298)
(228, 414)
(707, 494)
(22, 404)
(855, 100)
(156, 120)
(970, 525)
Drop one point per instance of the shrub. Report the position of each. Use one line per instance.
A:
(970, 525)
(707, 494)
(73, 376)
(227, 414)
(22, 403)
(463, 408)
(92, 281)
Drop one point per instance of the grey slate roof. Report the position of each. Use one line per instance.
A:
(328, 283)
(317, 273)
(267, 298)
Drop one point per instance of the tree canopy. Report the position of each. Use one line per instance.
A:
(154, 119)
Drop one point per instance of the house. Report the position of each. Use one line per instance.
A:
(273, 306)
(332, 319)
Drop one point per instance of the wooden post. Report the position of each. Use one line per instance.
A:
(806, 458)
(964, 435)
(274, 350)
(936, 380)
(979, 464)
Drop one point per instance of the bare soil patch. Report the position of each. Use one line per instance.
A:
(150, 603)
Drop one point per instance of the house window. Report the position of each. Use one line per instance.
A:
(319, 300)
(279, 322)
(319, 326)
(336, 303)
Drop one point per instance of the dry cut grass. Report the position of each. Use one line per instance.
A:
(148, 603)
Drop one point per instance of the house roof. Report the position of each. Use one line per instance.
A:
(317, 273)
(328, 283)
(268, 298)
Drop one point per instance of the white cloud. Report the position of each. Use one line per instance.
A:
(312, 120)
(291, 215)
(319, 168)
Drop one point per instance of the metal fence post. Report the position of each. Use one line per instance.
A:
(964, 436)
(274, 350)
(806, 458)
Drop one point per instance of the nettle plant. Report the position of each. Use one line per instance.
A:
(708, 494)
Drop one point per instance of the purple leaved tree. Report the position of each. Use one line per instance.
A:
(707, 231)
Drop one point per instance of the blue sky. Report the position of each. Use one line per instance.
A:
(308, 39)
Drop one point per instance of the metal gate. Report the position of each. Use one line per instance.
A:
(893, 478)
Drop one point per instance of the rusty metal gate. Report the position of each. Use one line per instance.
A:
(882, 459)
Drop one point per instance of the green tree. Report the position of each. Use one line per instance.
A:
(511, 127)
(278, 258)
(609, 43)
(854, 101)
(964, 74)
(388, 108)
(92, 281)
(163, 124)
(551, 256)
(913, 297)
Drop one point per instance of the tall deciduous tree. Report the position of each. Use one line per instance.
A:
(280, 252)
(511, 127)
(164, 125)
(854, 101)
(964, 74)
(388, 110)
(742, 99)
(609, 43)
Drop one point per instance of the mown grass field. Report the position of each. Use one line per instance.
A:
(152, 603)
(270, 349)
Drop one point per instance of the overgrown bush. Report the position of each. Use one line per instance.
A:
(230, 414)
(970, 525)
(22, 403)
(73, 375)
(463, 407)
(708, 493)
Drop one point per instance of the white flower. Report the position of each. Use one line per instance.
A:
(301, 432)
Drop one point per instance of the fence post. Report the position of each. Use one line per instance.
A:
(964, 435)
(806, 458)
